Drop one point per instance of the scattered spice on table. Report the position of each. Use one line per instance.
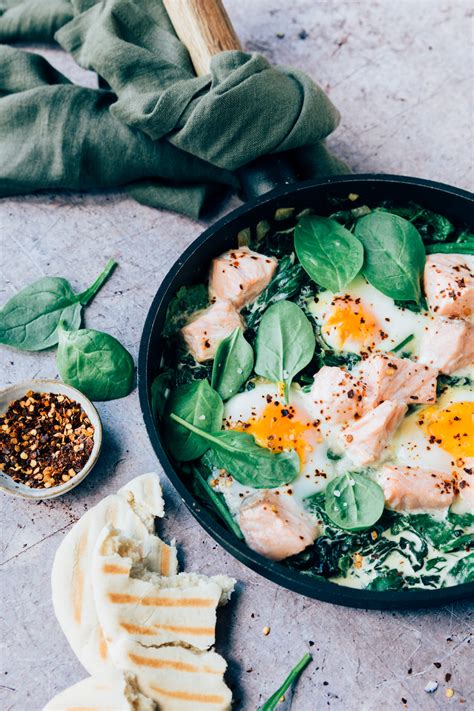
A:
(45, 439)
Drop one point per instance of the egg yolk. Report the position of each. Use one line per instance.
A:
(351, 321)
(451, 428)
(278, 428)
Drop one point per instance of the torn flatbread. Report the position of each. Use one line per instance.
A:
(178, 678)
(113, 691)
(132, 510)
(134, 601)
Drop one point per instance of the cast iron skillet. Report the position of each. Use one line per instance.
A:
(191, 268)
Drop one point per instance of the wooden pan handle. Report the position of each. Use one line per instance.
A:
(204, 28)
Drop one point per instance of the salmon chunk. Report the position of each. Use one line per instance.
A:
(204, 332)
(365, 440)
(240, 275)
(387, 377)
(411, 488)
(274, 527)
(447, 345)
(449, 284)
(336, 394)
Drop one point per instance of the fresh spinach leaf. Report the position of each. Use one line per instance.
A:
(285, 343)
(285, 284)
(30, 319)
(217, 502)
(394, 255)
(199, 405)
(233, 364)
(272, 703)
(95, 363)
(329, 253)
(450, 248)
(158, 393)
(354, 501)
(240, 455)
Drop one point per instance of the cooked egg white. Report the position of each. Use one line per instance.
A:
(263, 413)
(440, 436)
(363, 319)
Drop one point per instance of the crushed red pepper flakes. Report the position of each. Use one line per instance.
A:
(45, 440)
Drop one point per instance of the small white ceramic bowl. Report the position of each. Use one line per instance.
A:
(16, 392)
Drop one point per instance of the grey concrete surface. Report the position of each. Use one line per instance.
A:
(399, 73)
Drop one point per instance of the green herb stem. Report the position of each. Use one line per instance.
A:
(403, 343)
(272, 702)
(89, 293)
(450, 248)
(200, 433)
(218, 504)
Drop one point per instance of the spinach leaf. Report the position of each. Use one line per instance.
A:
(217, 502)
(30, 319)
(200, 405)
(188, 299)
(249, 464)
(451, 248)
(285, 343)
(394, 255)
(158, 393)
(233, 364)
(354, 501)
(389, 579)
(403, 343)
(95, 363)
(463, 570)
(329, 253)
(272, 703)
(285, 284)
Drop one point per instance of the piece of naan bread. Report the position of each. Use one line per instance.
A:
(134, 601)
(113, 691)
(132, 510)
(178, 678)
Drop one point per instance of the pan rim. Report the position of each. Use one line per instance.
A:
(275, 572)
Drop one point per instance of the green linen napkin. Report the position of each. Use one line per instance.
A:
(173, 138)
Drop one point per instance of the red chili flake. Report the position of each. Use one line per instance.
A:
(45, 439)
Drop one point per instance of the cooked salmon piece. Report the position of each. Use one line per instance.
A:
(209, 327)
(275, 528)
(464, 490)
(410, 488)
(240, 275)
(449, 284)
(337, 394)
(447, 345)
(387, 377)
(365, 439)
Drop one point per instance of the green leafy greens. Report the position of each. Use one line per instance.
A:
(285, 343)
(196, 404)
(30, 319)
(394, 255)
(95, 363)
(233, 364)
(238, 453)
(329, 253)
(354, 501)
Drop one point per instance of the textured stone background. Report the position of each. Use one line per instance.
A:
(399, 73)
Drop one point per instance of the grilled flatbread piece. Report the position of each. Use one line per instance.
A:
(178, 678)
(113, 691)
(133, 601)
(132, 510)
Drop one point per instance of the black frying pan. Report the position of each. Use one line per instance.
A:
(192, 267)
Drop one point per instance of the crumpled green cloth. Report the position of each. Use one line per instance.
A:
(173, 138)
